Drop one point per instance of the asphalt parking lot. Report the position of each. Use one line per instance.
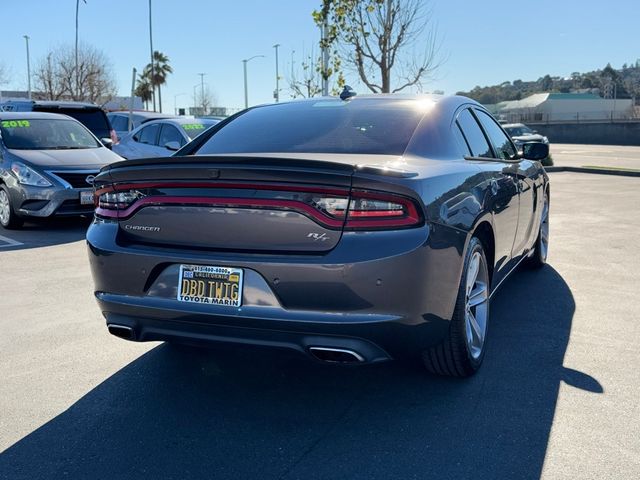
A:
(557, 396)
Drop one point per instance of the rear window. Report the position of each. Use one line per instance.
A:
(367, 126)
(94, 119)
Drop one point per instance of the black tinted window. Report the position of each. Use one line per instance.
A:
(324, 126)
(94, 120)
(462, 143)
(502, 144)
(148, 134)
(475, 138)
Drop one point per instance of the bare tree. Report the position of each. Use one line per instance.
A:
(91, 79)
(305, 82)
(4, 75)
(386, 41)
(205, 100)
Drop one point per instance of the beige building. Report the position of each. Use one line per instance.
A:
(564, 107)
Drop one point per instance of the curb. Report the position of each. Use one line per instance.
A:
(599, 171)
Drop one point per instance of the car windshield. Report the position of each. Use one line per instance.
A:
(519, 131)
(46, 134)
(364, 126)
(196, 128)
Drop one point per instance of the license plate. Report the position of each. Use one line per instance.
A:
(86, 197)
(210, 285)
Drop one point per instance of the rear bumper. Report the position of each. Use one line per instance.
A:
(381, 294)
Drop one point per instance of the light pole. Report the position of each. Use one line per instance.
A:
(26, 38)
(246, 92)
(202, 91)
(175, 104)
(276, 94)
(153, 87)
(195, 97)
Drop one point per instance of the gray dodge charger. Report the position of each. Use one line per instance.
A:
(352, 230)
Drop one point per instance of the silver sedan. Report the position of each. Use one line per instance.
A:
(160, 138)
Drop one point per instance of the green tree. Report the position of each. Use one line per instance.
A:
(161, 69)
(379, 39)
(143, 87)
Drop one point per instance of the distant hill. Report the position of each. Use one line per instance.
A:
(607, 83)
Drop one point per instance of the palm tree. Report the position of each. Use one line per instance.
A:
(161, 69)
(143, 88)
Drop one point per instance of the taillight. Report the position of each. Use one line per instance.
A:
(374, 210)
(114, 137)
(109, 202)
(332, 208)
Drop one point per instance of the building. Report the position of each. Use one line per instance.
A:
(564, 107)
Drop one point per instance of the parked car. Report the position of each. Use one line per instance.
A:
(521, 134)
(90, 115)
(354, 231)
(161, 138)
(47, 165)
(120, 120)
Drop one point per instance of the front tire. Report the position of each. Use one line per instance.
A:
(8, 217)
(538, 258)
(461, 352)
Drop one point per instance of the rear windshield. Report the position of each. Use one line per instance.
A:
(46, 134)
(367, 126)
(94, 119)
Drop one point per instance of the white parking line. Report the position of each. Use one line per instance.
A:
(9, 242)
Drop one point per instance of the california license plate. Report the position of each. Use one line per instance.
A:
(210, 285)
(86, 197)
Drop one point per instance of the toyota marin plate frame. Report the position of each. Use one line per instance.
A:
(210, 285)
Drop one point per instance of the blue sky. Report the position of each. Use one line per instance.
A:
(485, 42)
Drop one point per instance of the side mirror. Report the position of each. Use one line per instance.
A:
(173, 146)
(534, 131)
(535, 151)
(107, 142)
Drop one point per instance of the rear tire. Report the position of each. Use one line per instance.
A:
(8, 217)
(461, 352)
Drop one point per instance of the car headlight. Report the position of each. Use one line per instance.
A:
(28, 176)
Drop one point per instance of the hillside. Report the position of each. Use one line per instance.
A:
(608, 83)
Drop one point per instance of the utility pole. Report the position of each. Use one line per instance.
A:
(26, 37)
(152, 79)
(202, 91)
(76, 52)
(276, 94)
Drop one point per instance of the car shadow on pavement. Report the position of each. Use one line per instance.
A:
(44, 233)
(194, 413)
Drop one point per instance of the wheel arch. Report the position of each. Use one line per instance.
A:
(485, 233)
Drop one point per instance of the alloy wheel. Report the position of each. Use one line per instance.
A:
(5, 208)
(476, 304)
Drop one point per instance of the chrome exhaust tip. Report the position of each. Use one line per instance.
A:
(336, 355)
(121, 331)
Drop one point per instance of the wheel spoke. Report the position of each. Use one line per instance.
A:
(478, 295)
(472, 272)
(478, 334)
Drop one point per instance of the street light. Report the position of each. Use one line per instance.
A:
(246, 93)
(202, 90)
(175, 105)
(276, 94)
(26, 38)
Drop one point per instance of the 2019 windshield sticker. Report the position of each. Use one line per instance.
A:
(15, 123)
(193, 126)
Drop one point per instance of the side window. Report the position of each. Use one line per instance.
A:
(473, 134)
(170, 133)
(119, 123)
(149, 134)
(501, 142)
(462, 143)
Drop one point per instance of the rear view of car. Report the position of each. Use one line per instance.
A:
(47, 165)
